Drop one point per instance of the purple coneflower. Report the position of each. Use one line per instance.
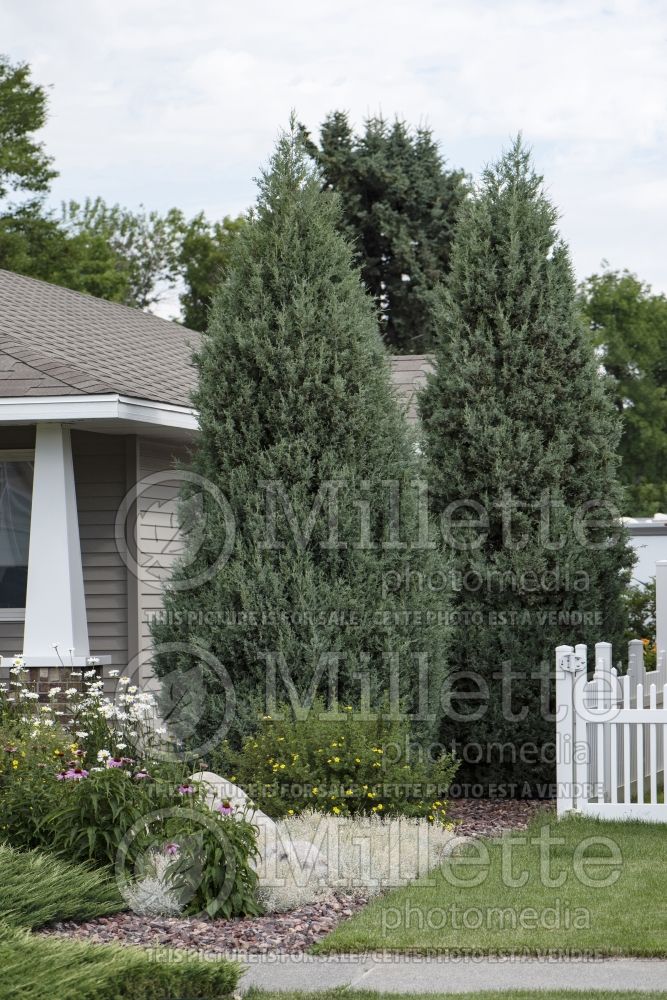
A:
(75, 774)
(172, 849)
(114, 762)
(140, 775)
(186, 790)
(225, 808)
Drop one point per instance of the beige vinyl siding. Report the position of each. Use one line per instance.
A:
(159, 542)
(11, 638)
(408, 374)
(100, 476)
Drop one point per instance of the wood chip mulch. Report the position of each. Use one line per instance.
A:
(296, 930)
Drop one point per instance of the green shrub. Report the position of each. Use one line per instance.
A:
(101, 820)
(94, 814)
(213, 873)
(346, 767)
(36, 889)
(29, 759)
(37, 968)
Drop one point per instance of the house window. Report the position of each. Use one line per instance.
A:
(16, 470)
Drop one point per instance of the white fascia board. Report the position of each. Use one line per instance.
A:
(105, 406)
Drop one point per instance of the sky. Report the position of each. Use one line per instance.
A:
(166, 103)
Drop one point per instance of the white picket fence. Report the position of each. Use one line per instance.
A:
(612, 730)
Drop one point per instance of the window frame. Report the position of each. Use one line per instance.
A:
(15, 455)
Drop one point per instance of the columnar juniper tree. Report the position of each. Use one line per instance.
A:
(301, 432)
(517, 421)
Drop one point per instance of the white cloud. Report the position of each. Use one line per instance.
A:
(171, 103)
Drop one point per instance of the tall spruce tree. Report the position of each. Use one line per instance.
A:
(399, 206)
(294, 389)
(518, 422)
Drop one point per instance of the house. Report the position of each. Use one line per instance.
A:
(648, 538)
(95, 416)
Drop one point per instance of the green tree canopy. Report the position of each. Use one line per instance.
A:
(518, 424)
(295, 398)
(24, 165)
(204, 256)
(145, 245)
(399, 204)
(628, 327)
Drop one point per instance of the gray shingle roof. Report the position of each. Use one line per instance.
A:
(54, 341)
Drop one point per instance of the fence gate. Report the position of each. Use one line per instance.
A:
(611, 745)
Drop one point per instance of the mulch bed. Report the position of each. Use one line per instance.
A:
(493, 817)
(289, 933)
(296, 930)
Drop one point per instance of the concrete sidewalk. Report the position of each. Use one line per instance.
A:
(412, 974)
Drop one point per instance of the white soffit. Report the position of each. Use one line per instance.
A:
(98, 409)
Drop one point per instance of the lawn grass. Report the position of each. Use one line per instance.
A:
(38, 968)
(37, 888)
(354, 994)
(626, 918)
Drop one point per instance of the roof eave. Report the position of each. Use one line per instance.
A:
(96, 409)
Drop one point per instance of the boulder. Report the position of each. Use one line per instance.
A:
(219, 790)
(278, 851)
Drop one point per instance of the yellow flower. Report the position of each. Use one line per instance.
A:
(379, 807)
(315, 790)
(357, 760)
(335, 810)
(370, 795)
(15, 763)
(348, 791)
(290, 812)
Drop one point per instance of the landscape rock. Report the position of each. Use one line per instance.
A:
(219, 790)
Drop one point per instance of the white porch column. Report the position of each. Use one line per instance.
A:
(55, 604)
